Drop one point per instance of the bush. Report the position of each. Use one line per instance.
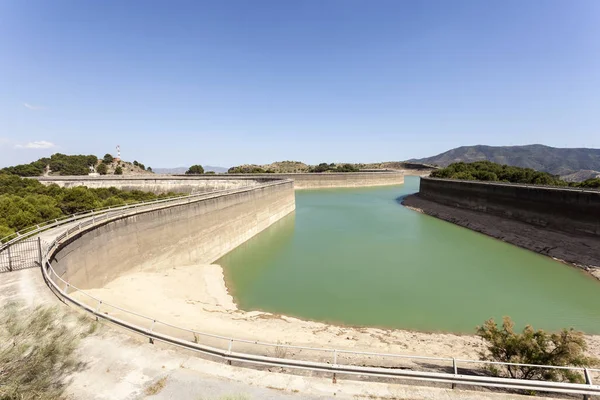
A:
(108, 159)
(323, 167)
(489, 171)
(346, 168)
(564, 348)
(195, 169)
(26, 202)
(102, 169)
(119, 170)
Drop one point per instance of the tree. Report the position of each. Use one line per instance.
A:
(346, 168)
(149, 169)
(108, 159)
(195, 169)
(119, 170)
(564, 348)
(102, 169)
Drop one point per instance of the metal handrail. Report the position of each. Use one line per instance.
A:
(335, 367)
(514, 184)
(43, 226)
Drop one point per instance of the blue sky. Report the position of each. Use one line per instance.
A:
(229, 82)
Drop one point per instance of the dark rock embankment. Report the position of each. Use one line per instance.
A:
(580, 250)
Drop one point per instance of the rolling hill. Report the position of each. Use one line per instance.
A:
(556, 161)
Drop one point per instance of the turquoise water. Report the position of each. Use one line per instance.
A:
(358, 257)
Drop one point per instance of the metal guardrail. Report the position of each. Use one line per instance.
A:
(523, 185)
(329, 360)
(43, 226)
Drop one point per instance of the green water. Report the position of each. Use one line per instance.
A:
(358, 257)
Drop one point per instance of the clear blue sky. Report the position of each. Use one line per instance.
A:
(229, 82)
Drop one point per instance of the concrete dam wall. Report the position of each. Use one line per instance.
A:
(207, 183)
(157, 183)
(570, 210)
(337, 179)
(196, 233)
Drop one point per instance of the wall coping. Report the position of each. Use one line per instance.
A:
(519, 185)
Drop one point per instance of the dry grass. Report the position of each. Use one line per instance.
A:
(156, 387)
(37, 352)
(280, 351)
(227, 397)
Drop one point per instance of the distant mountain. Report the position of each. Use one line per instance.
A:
(556, 161)
(181, 170)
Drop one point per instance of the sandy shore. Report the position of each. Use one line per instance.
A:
(196, 297)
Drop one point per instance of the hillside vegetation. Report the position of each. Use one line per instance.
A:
(288, 167)
(26, 202)
(555, 161)
(62, 164)
(489, 171)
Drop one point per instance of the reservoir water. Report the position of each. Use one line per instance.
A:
(358, 257)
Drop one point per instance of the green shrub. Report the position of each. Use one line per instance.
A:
(489, 171)
(564, 348)
(102, 169)
(108, 159)
(119, 170)
(195, 169)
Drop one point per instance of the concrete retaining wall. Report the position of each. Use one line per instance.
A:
(196, 233)
(206, 183)
(157, 183)
(568, 210)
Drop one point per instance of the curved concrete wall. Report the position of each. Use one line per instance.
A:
(156, 183)
(206, 183)
(196, 233)
(568, 210)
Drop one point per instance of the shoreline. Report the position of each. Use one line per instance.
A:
(196, 297)
(582, 252)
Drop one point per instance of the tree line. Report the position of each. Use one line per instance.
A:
(62, 164)
(26, 202)
(493, 172)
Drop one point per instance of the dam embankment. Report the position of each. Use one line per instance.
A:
(198, 232)
(559, 222)
(158, 183)
(208, 183)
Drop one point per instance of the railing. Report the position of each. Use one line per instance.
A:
(524, 185)
(43, 226)
(20, 255)
(455, 371)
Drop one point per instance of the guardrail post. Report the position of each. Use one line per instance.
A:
(229, 350)
(334, 380)
(455, 371)
(150, 330)
(588, 381)
(39, 241)
(98, 309)
(9, 258)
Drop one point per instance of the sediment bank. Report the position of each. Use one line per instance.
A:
(195, 297)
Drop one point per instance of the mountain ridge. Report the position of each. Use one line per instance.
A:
(556, 161)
